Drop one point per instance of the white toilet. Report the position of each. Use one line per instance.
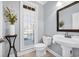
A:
(41, 47)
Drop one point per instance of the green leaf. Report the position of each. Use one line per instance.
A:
(11, 17)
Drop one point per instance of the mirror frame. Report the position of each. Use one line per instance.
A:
(66, 30)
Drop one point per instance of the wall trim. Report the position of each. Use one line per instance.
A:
(54, 53)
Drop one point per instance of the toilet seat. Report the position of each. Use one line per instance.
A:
(40, 45)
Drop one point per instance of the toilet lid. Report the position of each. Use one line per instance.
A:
(40, 45)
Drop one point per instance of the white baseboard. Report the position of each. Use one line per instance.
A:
(30, 50)
(22, 52)
(54, 53)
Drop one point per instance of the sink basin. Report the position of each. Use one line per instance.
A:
(66, 43)
(69, 42)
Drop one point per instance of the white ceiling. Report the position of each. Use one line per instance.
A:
(42, 2)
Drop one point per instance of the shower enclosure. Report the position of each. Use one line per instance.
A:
(29, 25)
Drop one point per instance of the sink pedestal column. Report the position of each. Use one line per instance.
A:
(66, 51)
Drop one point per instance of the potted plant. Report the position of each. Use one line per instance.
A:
(61, 23)
(11, 17)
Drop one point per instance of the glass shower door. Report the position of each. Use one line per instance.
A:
(28, 25)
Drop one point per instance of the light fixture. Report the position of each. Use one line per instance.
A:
(59, 3)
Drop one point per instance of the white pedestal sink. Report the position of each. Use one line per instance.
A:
(66, 44)
(66, 51)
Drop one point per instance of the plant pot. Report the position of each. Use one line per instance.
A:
(12, 30)
(60, 28)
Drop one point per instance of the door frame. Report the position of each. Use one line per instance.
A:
(21, 25)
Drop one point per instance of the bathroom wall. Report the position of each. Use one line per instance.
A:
(15, 5)
(1, 21)
(50, 18)
(50, 24)
(40, 20)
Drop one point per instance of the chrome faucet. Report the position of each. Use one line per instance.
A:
(67, 35)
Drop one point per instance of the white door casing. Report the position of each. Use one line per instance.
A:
(21, 23)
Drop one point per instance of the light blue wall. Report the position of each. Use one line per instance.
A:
(40, 20)
(50, 18)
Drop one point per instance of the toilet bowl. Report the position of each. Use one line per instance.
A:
(41, 47)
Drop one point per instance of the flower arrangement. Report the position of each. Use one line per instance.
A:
(11, 17)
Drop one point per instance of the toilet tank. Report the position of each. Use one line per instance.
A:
(47, 40)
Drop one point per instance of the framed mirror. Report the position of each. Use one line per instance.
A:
(68, 18)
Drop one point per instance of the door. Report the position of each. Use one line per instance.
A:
(29, 25)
